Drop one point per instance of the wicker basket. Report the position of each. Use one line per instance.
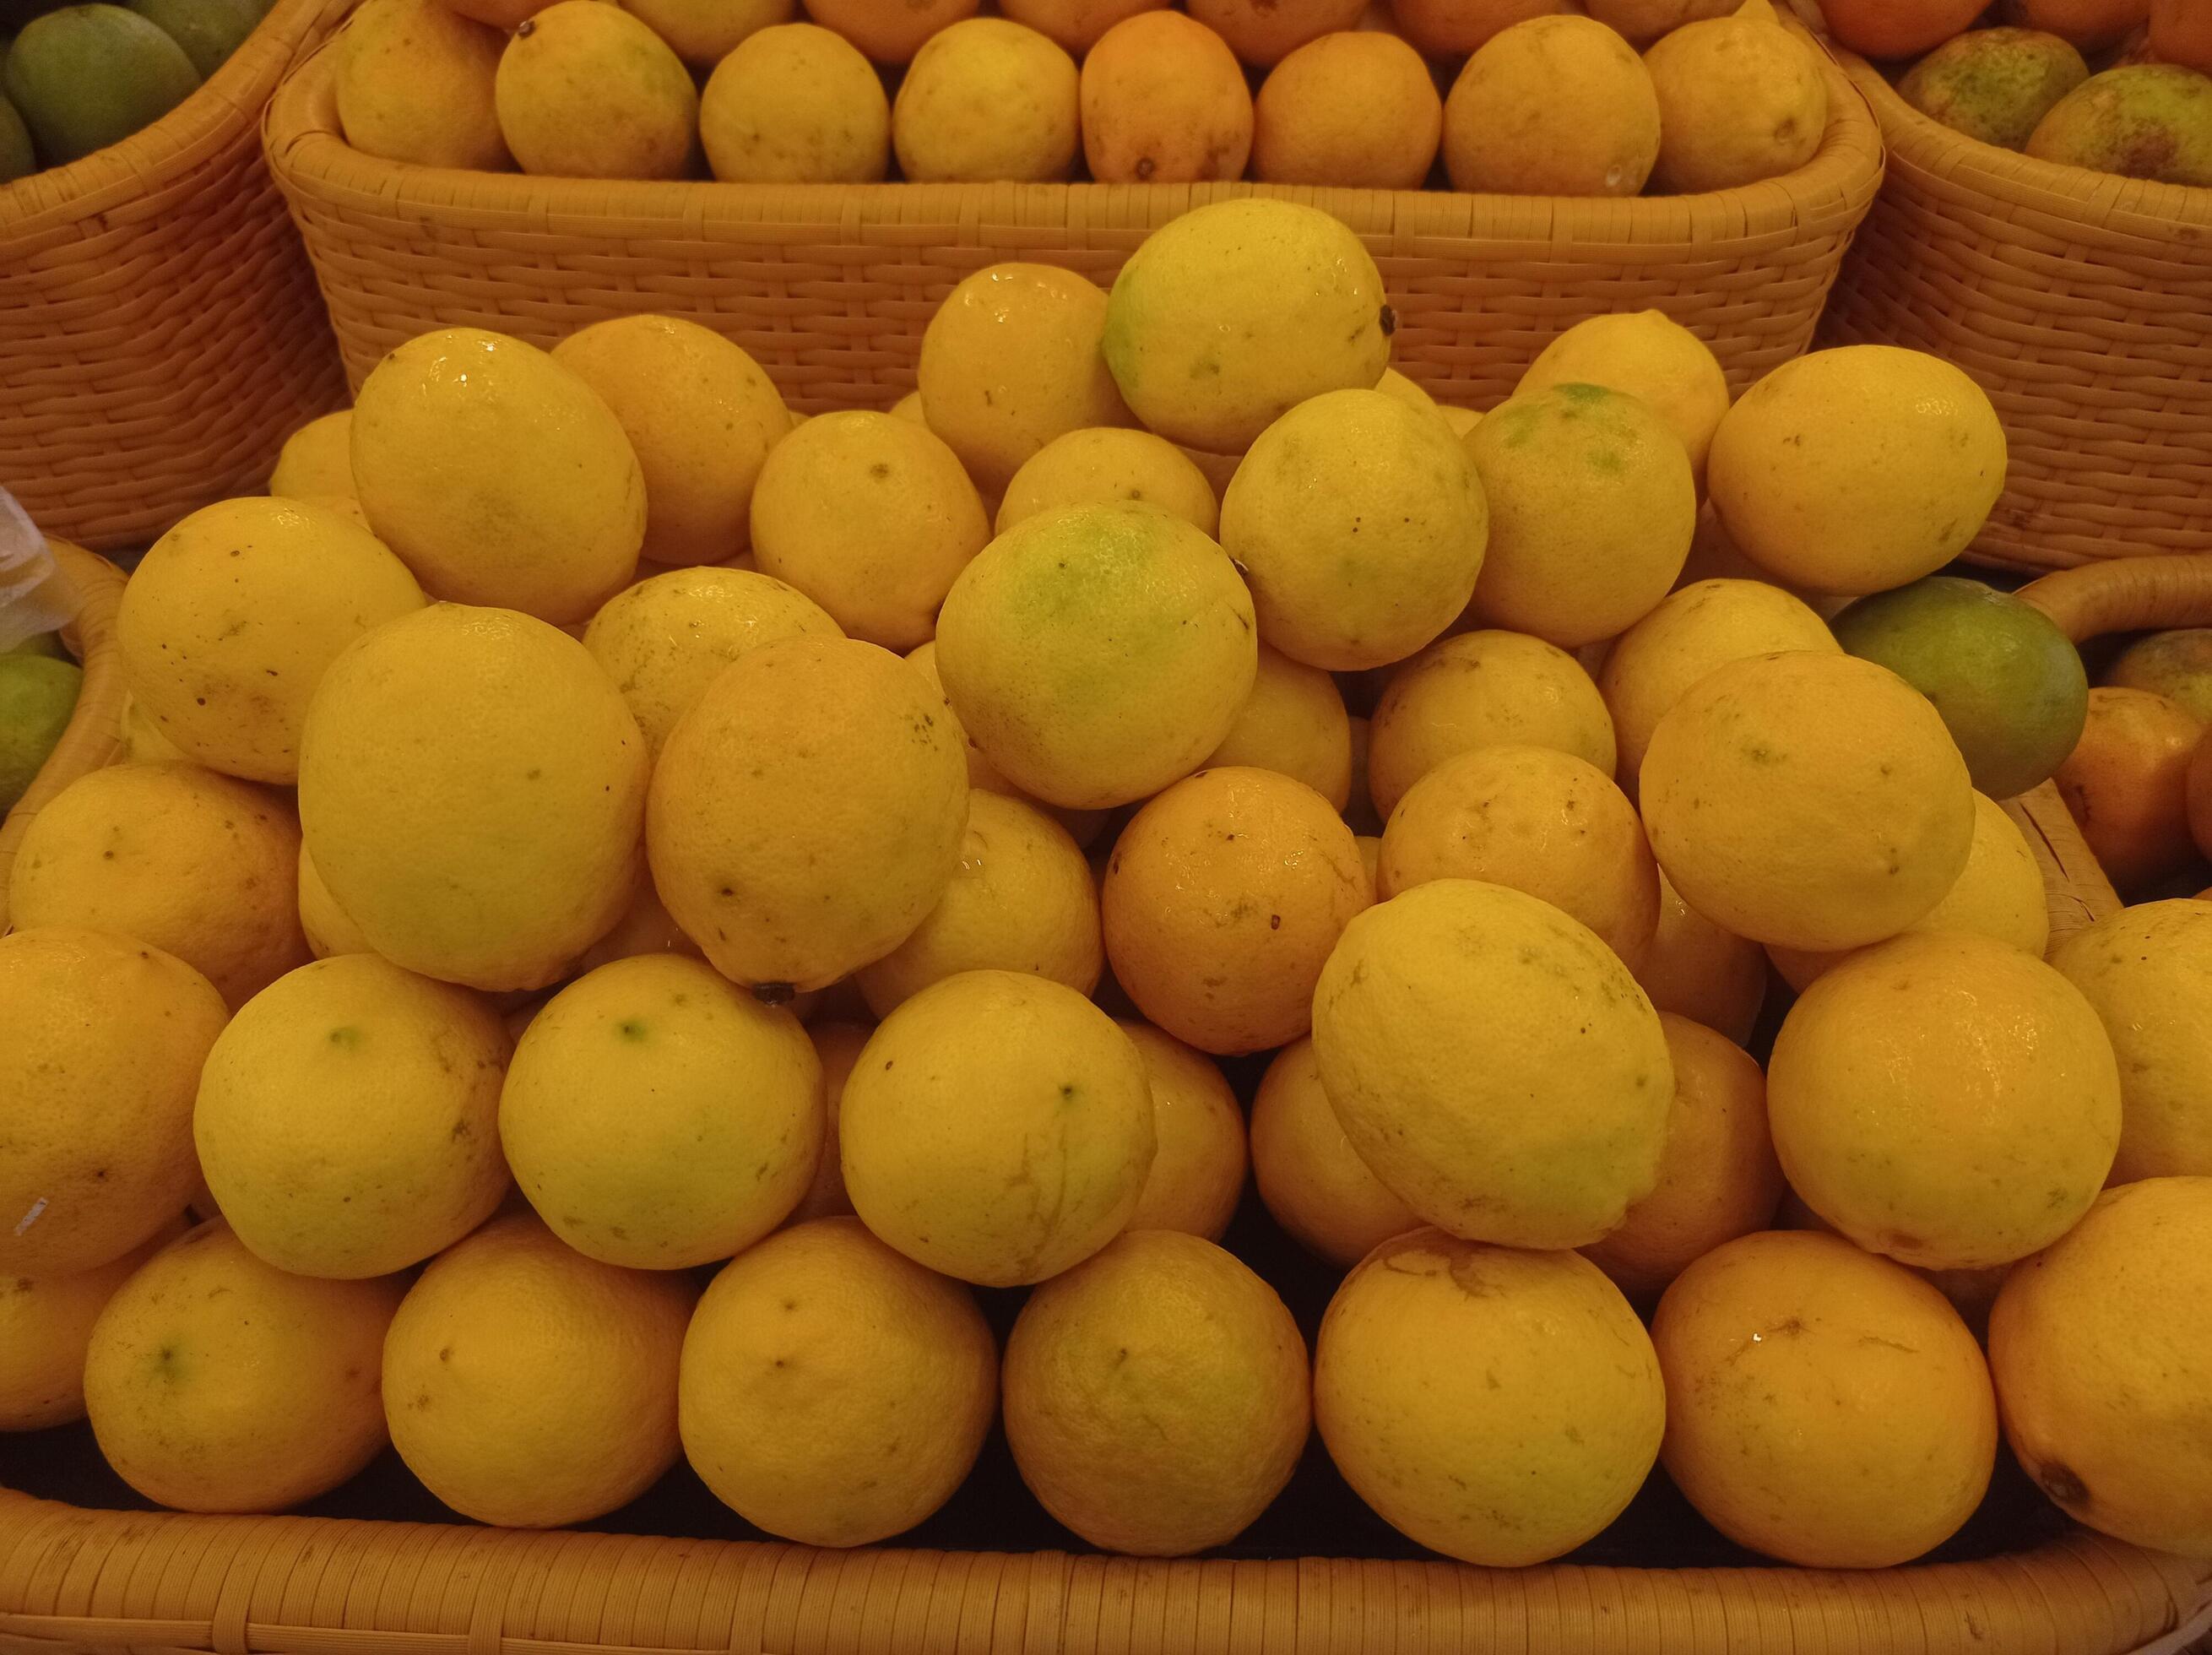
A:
(160, 332)
(830, 286)
(2081, 302)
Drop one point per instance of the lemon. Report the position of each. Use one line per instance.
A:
(1197, 1168)
(837, 1046)
(416, 82)
(585, 90)
(1294, 723)
(973, 1099)
(1310, 1178)
(1495, 1064)
(986, 100)
(1696, 969)
(236, 614)
(833, 1392)
(45, 1327)
(1157, 1398)
(143, 743)
(1557, 106)
(808, 812)
(530, 1386)
(704, 32)
(1741, 100)
(472, 790)
(316, 460)
(1100, 465)
(327, 928)
(1355, 109)
(793, 103)
(1646, 353)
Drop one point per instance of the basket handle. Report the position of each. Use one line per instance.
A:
(2126, 594)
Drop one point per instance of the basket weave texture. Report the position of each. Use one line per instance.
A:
(830, 286)
(160, 331)
(2082, 304)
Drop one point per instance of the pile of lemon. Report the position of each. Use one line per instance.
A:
(678, 902)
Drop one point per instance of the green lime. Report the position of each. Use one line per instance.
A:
(2008, 684)
(2175, 664)
(37, 696)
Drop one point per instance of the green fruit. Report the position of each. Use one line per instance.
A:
(37, 696)
(2148, 120)
(2006, 682)
(1994, 84)
(209, 30)
(2175, 664)
(16, 160)
(39, 643)
(88, 77)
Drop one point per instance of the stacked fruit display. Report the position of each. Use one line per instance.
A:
(735, 942)
(1679, 96)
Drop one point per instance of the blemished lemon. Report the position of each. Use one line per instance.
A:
(2102, 1349)
(834, 1392)
(1808, 799)
(1157, 1398)
(317, 460)
(704, 32)
(1223, 900)
(795, 104)
(1309, 1177)
(1098, 653)
(234, 616)
(665, 640)
(1857, 469)
(1162, 100)
(1198, 1167)
(2000, 893)
(2144, 970)
(1694, 630)
(472, 788)
(585, 90)
(838, 1047)
(1719, 1177)
(986, 100)
(1229, 316)
(1103, 465)
(1477, 690)
(1535, 1121)
(530, 1387)
(872, 518)
(700, 415)
(416, 82)
(1022, 899)
(323, 922)
(45, 1326)
(1646, 353)
(347, 1119)
(1497, 1406)
(1741, 100)
(975, 1095)
(1553, 107)
(1592, 508)
(1536, 819)
(1696, 969)
(194, 863)
(1794, 1361)
(498, 476)
(808, 812)
(1946, 1099)
(1010, 362)
(1355, 110)
(1294, 723)
(1360, 526)
(99, 1055)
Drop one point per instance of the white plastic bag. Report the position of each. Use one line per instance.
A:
(34, 597)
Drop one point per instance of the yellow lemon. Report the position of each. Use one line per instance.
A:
(532, 1387)
(1355, 110)
(235, 615)
(1796, 1361)
(1553, 107)
(348, 1120)
(2144, 970)
(1497, 1406)
(986, 100)
(1857, 469)
(217, 1383)
(1010, 362)
(585, 90)
(1359, 523)
(1806, 799)
(1495, 1064)
(1157, 1398)
(701, 416)
(1646, 353)
(808, 812)
(416, 82)
(194, 863)
(888, 35)
(1164, 101)
(704, 32)
(1229, 316)
(1696, 969)
(324, 923)
(1741, 98)
(1694, 630)
(1592, 509)
(1536, 819)
(45, 1327)
(1719, 1177)
(1104, 465)
(1310, 1178)
(1642, 21)
(2102, 1348)
(472, 790)
(795, 104)
(1294, 723)
(1946, 1099)
(142, 740)
(99, 1055)
(316, 460)
(1076, 24)
(838, 1047)
(950, 1134)
(1097, 654)
(666, 639)
(497, 475)
(1198, 1169)
(872, 518)
(832, 1391)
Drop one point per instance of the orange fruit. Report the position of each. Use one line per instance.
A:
(1898, 28)
(1453, 28)
(2127, 783)
(2090, 25)
(1164, 102)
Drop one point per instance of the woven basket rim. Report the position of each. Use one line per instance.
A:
(307, 153)
(2090, 199)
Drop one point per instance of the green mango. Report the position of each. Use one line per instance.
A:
(209, 30)
(88, 77)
